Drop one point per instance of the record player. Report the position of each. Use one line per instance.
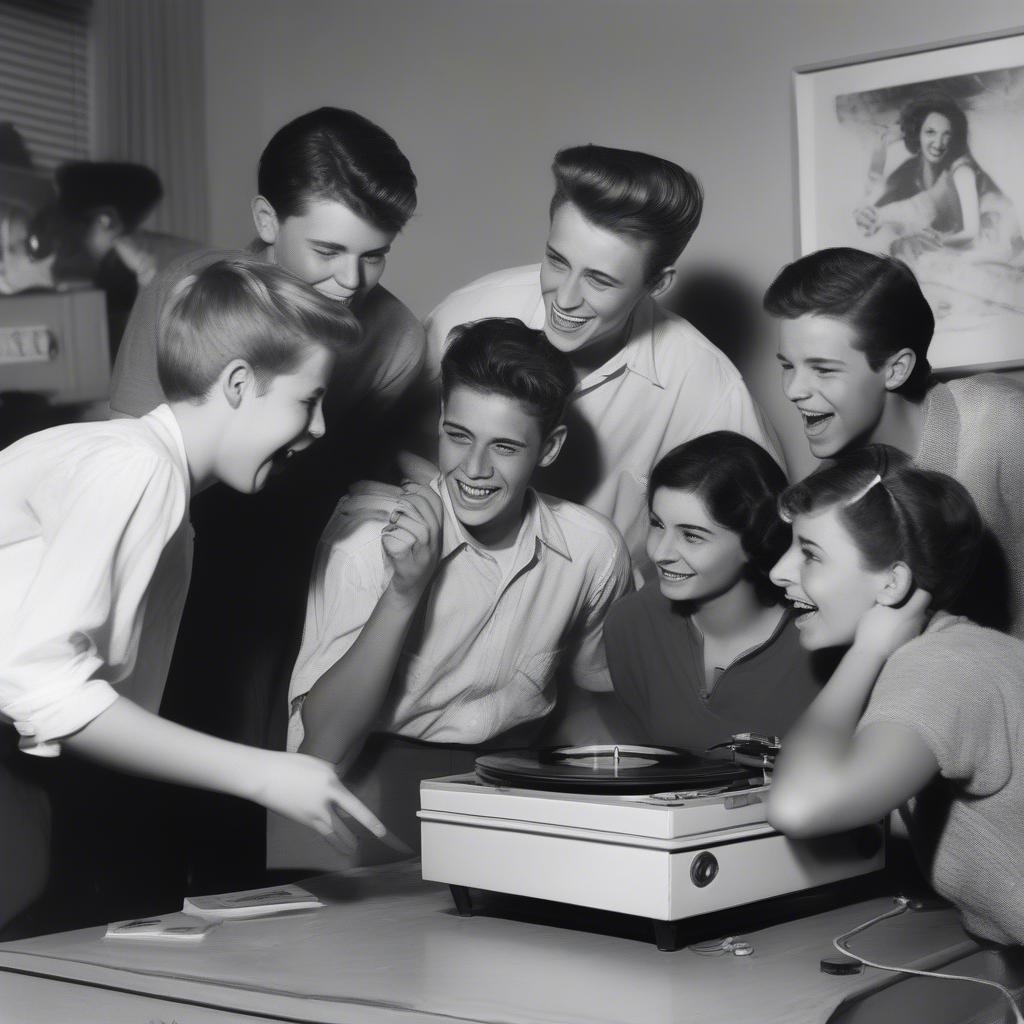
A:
(649, 831)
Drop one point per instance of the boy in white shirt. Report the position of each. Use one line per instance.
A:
(446, 629)
(647, 380)
(95, 546)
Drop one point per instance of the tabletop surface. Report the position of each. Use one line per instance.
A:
(390, 947)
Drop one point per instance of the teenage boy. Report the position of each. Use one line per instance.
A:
(95, 544)
(646, 379)
(853, 347)
(446, 630)
(334, 191)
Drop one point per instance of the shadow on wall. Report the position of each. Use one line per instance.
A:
(724, 308)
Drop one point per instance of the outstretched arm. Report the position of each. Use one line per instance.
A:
(341, 707)
(131, 739)
(829, 777)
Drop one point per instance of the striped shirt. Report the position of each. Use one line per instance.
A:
(481, 654)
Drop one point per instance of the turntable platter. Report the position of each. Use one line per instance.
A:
(613, 769)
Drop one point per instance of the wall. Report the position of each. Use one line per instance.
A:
(480, 94)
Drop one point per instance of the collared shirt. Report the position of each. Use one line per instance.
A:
(481, 653)
(95, 557)
(667, 384)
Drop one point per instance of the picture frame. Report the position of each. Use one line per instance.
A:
(919, 154)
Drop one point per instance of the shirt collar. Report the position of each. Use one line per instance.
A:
(169, 432)
(540, 525)
(638, 352)
(637, 355)
(640, 347)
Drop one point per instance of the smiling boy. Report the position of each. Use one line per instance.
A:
(334, 191)
(646, 379)
(854, 333)
(96, 547)
(447, 628)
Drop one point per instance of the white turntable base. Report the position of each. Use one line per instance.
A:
(629, 854)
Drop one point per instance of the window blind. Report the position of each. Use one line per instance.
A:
(44, 77)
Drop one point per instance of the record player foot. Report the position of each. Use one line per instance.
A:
(666, 935)
(463, 904)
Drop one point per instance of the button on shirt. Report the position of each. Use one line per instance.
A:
(668, 384)
(95, 556)
(481, 654)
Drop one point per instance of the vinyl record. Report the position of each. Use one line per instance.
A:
(606, 768)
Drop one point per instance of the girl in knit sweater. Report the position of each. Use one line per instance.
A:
(925, 711)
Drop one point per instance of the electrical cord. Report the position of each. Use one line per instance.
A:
(902, 905)
(719, 947)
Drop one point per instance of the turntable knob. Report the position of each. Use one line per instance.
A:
(704, 869)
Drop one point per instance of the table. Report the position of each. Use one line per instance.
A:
(390, 948)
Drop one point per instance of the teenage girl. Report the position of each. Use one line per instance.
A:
(710, 649)
(925, 711)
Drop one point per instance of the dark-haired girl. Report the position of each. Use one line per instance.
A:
(709, 650)
(939, 195)
(925, 711)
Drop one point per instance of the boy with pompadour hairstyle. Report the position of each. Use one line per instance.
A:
(95, 544)
(647, 380)
(447, 628)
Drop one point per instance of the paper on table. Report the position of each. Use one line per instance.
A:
(251, 902)
(176, 927)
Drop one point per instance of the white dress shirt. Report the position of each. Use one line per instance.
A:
(483, 648)
(95, 558)
(668, 384)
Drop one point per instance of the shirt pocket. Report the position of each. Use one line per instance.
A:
(530, 692)
(537, 669)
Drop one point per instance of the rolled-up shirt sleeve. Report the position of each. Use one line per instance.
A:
(103, 526)
(348, 581)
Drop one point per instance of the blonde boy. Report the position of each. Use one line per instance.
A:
(95, 544)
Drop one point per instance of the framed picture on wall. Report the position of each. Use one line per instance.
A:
(921, 155)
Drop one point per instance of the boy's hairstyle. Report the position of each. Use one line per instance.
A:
(877, 296)
(897, 512)
(634, 194)
(503, 356)
(914, 114)
(338, 155)
(244, 308)
(740, 484)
